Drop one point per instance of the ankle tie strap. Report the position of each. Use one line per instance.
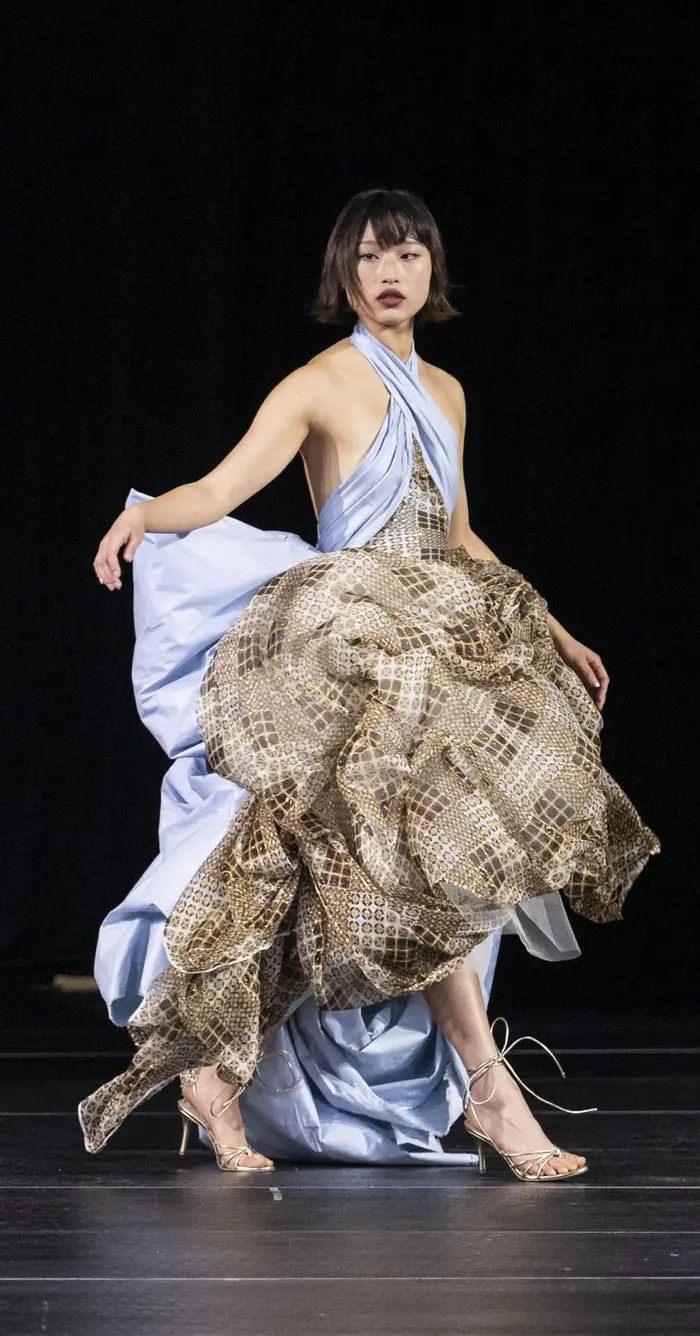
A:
(501, 1057)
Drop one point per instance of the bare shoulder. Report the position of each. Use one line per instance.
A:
(332, 373)
(333, 362)
(322, 370)
(446, 389)
(442, 380)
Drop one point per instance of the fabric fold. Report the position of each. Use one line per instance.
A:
(380, 763)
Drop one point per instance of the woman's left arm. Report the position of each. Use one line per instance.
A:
(585, 662)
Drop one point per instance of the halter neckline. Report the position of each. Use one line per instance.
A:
(411, 361)
(399, 373)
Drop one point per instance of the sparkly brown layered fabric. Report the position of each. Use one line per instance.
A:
(420, 760)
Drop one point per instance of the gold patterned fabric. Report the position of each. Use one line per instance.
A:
(420, 760)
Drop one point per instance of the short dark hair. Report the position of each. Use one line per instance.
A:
(395, 214)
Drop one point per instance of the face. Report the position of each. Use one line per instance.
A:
(403, 270)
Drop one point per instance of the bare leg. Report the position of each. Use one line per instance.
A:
(228, 1128)
(457, 1006)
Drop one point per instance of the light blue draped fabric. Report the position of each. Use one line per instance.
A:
(361, 505)
(376, 1084)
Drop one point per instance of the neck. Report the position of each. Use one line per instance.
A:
(397, 338)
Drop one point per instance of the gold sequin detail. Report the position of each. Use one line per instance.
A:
(419, 760)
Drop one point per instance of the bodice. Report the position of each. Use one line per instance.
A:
(419, 526)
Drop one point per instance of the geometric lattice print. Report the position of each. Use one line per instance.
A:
(419, 760)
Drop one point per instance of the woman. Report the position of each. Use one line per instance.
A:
(414, 737)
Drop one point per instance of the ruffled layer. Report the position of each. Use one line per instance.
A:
(420, 761)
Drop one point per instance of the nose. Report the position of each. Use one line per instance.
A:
(388, 270)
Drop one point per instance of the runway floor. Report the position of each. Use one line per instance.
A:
(137, 1240)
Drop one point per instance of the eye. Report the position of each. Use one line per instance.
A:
(410, 255)
(366, 255)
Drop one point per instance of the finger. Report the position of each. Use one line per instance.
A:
(100, 568)
(596, 663)
(592, 685)
(101, 562)
(104, 573)
(598, 676)
(602, 692)
(112, 561)
(107, 579)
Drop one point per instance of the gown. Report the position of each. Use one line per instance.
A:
(380, 764)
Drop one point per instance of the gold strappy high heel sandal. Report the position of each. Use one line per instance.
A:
(224, 1154)
(521, 1162)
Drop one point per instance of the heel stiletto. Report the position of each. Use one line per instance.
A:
(186, 1125)
(519, 1162)
(227, 1157)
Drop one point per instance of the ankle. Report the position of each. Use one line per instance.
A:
(495, 1090)
(222, 1100)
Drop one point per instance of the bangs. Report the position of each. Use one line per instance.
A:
(394, 219)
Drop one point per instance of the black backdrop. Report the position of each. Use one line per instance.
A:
(174, 176)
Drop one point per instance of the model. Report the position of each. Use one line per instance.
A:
(414, 738)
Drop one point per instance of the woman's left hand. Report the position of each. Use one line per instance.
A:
(587, 665)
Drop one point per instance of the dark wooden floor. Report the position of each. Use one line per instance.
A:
(136, 1240)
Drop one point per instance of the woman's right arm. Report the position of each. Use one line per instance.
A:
(276, 433)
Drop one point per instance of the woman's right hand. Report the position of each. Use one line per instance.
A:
(128, 528)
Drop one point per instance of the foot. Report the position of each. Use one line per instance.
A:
(227, 1127)
(510, 1123)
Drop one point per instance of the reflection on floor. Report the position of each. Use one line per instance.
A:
(136, 1240)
